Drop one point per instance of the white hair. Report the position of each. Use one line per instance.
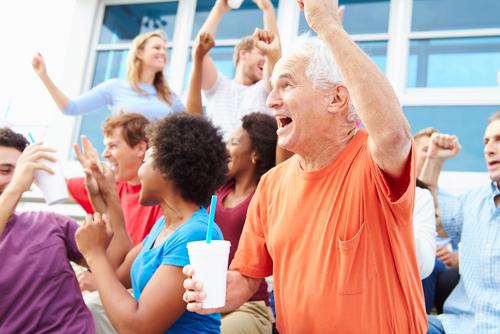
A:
(321, 66)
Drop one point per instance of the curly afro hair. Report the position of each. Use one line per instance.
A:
(261, 129)
(9, 138)
(189, 151)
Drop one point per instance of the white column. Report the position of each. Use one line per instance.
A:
(288, 23)
(398, 46)
(182, 36)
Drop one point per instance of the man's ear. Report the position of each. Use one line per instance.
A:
(141, 148)
(338, 99)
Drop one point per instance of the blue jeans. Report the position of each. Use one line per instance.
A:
(435, 325)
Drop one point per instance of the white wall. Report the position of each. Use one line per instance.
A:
(60, 30)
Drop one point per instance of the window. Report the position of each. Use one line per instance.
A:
(455, 14)
(360, 17)
(120, 25)
(467, 122)
(454, 62)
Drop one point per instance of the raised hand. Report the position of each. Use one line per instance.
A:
(318, 14)
(204, 42)
(38, 64)
(443, 146)
(94, 236)
(85, 156)
(267, 42)
(28, 163)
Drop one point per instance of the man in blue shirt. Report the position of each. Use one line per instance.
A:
(472, 220)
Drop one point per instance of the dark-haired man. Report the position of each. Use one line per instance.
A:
(39, 290)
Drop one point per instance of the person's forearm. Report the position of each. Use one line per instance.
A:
(194, 102)
(430, 172)
(57, 95)
(269, 18)
(119, 305)
(97, 203)
(370, 91)
(239, 290)
(271, 60)
(120, 244)
(8, 202)
(212, 22)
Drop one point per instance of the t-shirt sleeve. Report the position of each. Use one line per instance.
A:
(95, 98)
(252, 258)
(69, 228)
(401, 204)
(220, 82)
(77, 190)
(424, 227)
(177, 105)
(175, 252)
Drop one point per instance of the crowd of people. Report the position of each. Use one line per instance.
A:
(348, 220)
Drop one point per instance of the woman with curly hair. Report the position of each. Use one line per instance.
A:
(145, 91)
(186, 163)
(252, 152)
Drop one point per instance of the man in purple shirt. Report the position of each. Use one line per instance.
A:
(39, 292)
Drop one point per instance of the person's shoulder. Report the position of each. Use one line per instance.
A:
(40, 218)
(196, 228)
(280, 170)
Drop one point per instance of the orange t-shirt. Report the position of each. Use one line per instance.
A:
(339, 244)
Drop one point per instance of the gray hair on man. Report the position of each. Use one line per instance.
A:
(321, 67)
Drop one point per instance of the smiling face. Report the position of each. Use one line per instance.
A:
(300, 109)
(8, 160)
(492, 150)
(123, 159)
(154, 53)
(252, 63)
(240, 151)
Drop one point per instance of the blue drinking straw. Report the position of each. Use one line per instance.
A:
(30, 137)
(213, 205)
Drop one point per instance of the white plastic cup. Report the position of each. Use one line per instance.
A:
(53, 186)
(234, 4)
(210, 268)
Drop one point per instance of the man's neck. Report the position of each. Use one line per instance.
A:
(319, 155)
(241, 78)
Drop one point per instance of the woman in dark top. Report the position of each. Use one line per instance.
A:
(251, 151)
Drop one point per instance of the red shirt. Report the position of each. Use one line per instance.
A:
(231, 221)
(138, 219)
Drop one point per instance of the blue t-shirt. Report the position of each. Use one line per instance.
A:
(173, 251)
(118, 96)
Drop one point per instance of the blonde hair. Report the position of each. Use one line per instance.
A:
(135, 67)
(246, 44)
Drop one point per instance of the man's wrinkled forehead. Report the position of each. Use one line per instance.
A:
(288, 68)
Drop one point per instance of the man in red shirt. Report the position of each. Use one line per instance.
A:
(125, 145)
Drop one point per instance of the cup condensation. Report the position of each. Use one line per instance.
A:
(234, 4)
(210, 261)
(53, 186)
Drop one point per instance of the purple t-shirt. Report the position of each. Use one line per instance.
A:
(39, 292)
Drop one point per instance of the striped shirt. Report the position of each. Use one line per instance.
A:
(474, 220)
(228, 101)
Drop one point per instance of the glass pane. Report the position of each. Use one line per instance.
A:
(223, 57)
(377, 52)
(454, 62)
(468, 123)
(235, 24)
(123, 22)
(455, 14)
(360, 17)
